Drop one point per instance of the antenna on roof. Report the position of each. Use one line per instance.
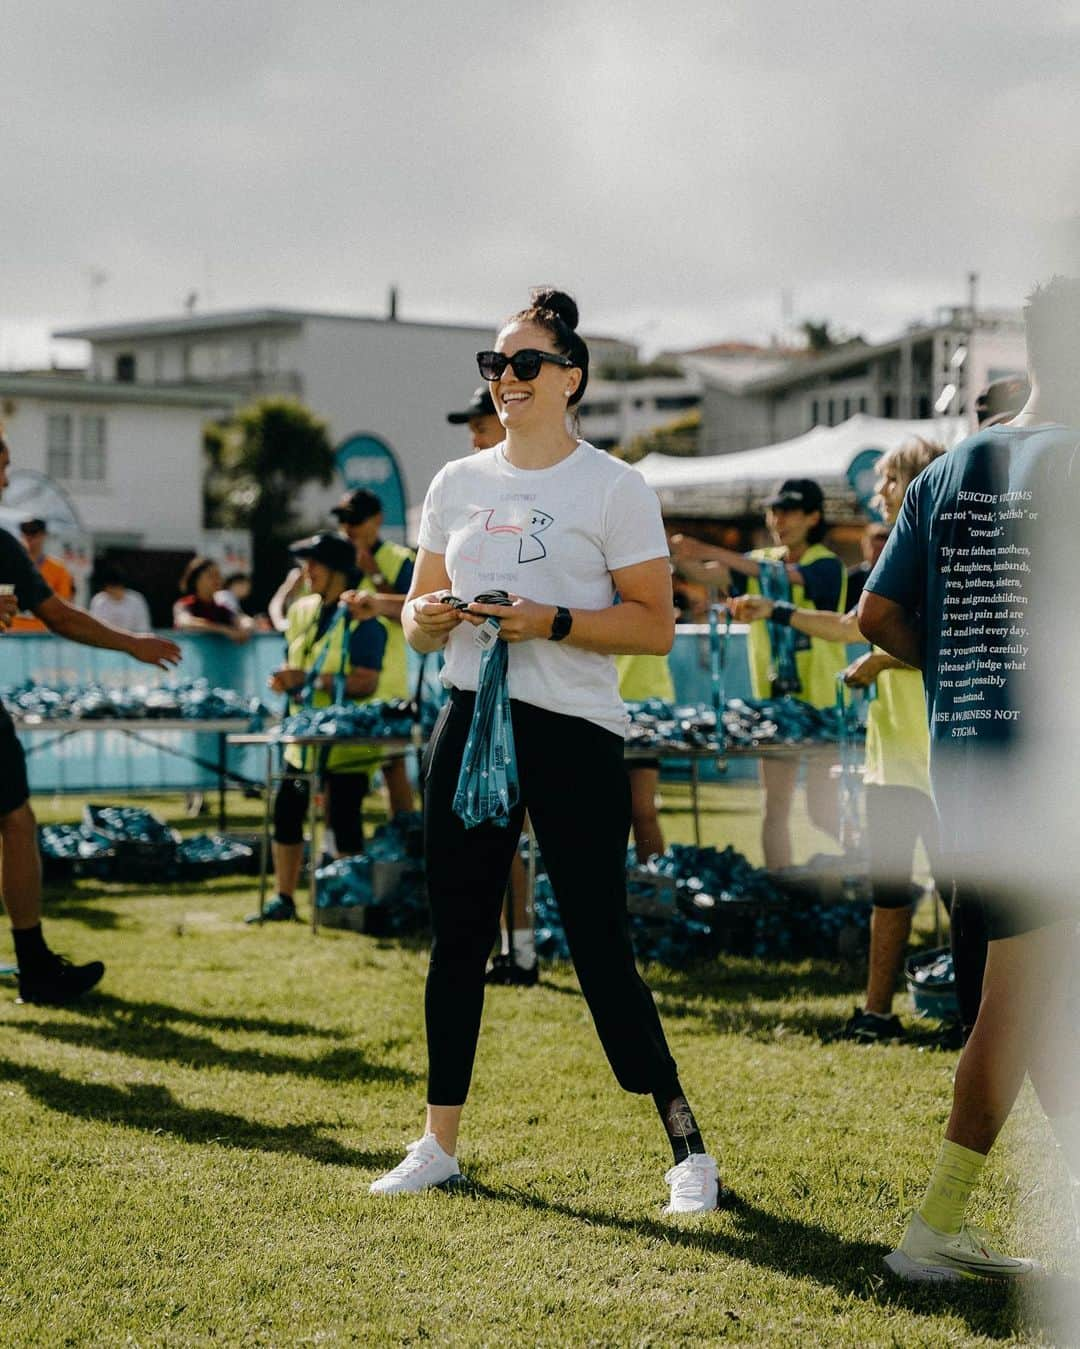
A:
(391, 309)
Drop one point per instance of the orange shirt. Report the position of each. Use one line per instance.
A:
(60, 580)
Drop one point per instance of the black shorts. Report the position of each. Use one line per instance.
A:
(14, 787)
(345, 794)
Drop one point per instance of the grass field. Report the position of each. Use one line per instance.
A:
(185, 1157)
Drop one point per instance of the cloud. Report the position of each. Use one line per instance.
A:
(677, 168)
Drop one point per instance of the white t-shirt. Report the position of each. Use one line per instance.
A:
(129, 613)
(553, 535)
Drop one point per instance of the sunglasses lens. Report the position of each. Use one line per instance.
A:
(526, 363)
(491, 364)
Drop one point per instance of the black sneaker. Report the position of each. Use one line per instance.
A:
(868, 1028)
(503, 970)
(58, 981)
(281, 909)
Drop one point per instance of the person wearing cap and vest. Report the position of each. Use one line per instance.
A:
(324, 644)
(385, 573)
(53, 572)
(816, 579)
(480, 416)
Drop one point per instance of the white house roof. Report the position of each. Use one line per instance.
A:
(729, 484)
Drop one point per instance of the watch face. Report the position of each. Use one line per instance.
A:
(560, 624)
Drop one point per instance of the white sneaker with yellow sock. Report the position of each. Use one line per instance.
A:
(928, 1256)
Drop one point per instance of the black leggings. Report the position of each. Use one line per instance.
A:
(896, 818)
(574, 786)
(345, 794)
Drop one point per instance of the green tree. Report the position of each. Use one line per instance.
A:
(679, 437)
(258, 460)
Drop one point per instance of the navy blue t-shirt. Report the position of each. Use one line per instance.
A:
(981, 553)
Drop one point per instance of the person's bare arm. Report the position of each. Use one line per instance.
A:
(67, 620)
(814, 622)
(642, 624)
(890, 626)
(359, 683)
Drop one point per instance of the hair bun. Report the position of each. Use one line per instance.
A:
(558, 302)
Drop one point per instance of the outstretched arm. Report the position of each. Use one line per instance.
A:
(67, 620)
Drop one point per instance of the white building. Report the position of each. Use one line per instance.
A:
(615, 411)
(128, 457)
(931, 370)
(388, 377)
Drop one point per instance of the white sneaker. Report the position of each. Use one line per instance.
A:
(928, 1256)
(694, 1184)
(425, 1165)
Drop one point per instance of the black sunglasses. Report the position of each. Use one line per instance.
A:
(525, 363)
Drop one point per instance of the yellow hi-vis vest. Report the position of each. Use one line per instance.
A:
(394, 679)
(817, 661)
(898, 733)
(642, 677)
(305, 651)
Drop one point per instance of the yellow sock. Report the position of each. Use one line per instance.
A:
(955, 1176)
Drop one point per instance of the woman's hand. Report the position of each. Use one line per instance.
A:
(286, 679)
(434, 618)
(861, 673)
(750, 608)
(521, 620)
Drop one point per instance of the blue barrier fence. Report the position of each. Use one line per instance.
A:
(111, 760)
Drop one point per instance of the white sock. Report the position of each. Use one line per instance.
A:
(524, 946)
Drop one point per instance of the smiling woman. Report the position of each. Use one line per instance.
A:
(564, 529)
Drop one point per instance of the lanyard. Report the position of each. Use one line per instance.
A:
(718, 650)
(487, 786)
(783, 672)
(307, 690)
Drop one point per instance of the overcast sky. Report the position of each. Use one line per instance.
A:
(677, 167)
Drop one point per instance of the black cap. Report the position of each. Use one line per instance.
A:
(357, 506)
(332, 550)
(797, 494)
(480, 405)
(35, 525)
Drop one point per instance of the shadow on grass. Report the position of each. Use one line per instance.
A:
(134, 1033)
(108, 1005)
(801, 1250)
(94, 916)
(153, 1109)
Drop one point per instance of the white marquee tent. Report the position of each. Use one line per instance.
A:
(736, 484)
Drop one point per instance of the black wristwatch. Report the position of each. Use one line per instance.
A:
(560, 625)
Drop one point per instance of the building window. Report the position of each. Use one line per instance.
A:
(599, 410)
(815, 410)
(862, 403)
(888, 405)
(847, 408)
(924, 406)
(125, 367)
(58, 463)
(832, 413)
(159, 365)
(92, 448)
(676, 402)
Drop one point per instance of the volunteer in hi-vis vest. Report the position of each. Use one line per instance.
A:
(899, 808)
(815, 577)
(385, 573)
(330, 657)
(642, 677)
(53, 572)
